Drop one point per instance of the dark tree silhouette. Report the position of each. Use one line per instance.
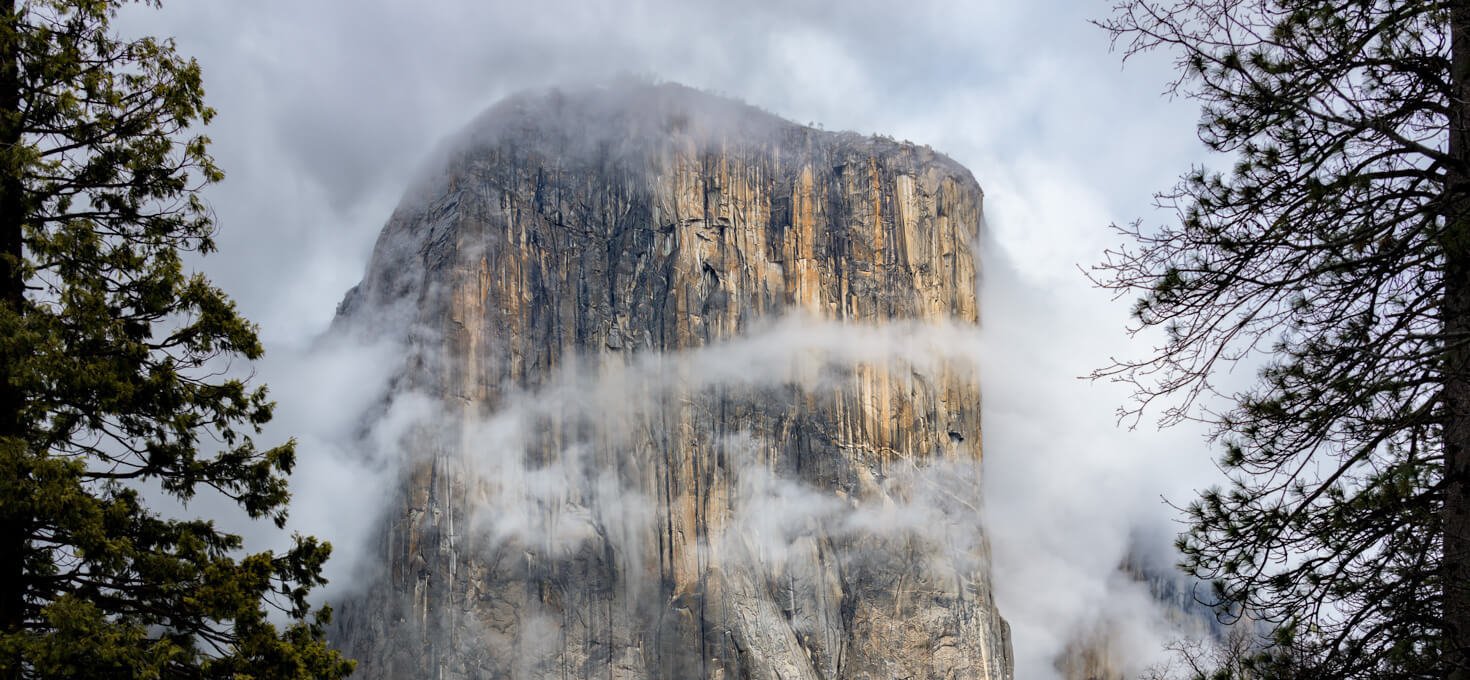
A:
(1337, 252)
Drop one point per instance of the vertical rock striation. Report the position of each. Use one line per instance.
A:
(590, 501)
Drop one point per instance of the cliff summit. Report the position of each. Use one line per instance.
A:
(703, 407)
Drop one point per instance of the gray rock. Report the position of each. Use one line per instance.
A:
(595, 232)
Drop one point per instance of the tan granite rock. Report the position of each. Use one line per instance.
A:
(559, 262)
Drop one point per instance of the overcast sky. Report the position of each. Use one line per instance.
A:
(325, 108)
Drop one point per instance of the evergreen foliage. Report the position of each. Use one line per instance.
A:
(1339, 247)
(110, 358)
(1337, 251)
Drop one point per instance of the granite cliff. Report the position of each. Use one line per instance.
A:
(686, 421)
(1106, 652)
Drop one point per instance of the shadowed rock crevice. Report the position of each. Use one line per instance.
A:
(684, 433)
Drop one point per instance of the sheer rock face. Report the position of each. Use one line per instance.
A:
(573, 246)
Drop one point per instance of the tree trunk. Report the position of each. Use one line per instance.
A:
(14, 515)
(1456, 316)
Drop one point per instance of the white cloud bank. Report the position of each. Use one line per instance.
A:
(327, 107)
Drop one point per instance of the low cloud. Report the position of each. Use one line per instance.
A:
(325, 116)
(1061, 508)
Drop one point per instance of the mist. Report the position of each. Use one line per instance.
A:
(1064, 497)
(327, 111)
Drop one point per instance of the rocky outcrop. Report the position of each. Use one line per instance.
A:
(1176, 617)
(665, 444)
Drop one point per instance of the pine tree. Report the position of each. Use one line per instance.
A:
(1337, 252)
(110, 380)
